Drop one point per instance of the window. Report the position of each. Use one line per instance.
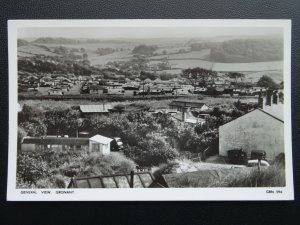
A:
(95, 147)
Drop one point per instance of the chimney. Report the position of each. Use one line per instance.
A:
(275, 98)
(269, 97)
(260, 101)
(131, 179)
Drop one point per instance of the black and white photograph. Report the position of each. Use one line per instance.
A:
(149, 110)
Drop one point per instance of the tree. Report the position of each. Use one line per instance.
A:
(198, 74)
(267, 82)
(28, 113)
(236, 76)
(146, 50)
(31, 168)
(34, 127)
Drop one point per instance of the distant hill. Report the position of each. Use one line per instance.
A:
(247, 50)
(22, 42)
(60, 41)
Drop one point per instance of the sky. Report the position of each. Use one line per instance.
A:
(145, 32)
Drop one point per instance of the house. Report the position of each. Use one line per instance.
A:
(55, 91)
(192, 105)
(132, 180)
(95, 89)
(181, 91)
(188, 117)
(114, 91)
(260, 129)
(96, 143)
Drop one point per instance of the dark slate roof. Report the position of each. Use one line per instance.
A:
(187, 104)
(141, 180)
(55, 141)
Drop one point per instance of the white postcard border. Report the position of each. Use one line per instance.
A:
(156, 194)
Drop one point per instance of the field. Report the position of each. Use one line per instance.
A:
(178, 61)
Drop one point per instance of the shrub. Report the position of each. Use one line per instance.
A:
(268, 177)
(151, 151)
(31, 168)
(96, 164)
(23, 184)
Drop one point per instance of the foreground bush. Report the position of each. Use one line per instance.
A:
(269, 177)
(242, 177)
(96, 164)
(31, 168)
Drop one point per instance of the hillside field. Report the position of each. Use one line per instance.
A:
(178, 61)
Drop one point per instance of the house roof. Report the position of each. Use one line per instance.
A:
(95, 108)
(101, 139)
(55, 141)
(187, 104)
(276, 111)
(141, 180)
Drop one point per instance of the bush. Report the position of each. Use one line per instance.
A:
(151, 151)
(268, 177)
(96, 164)
(31, 168)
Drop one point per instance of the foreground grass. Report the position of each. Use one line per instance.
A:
(272, 176)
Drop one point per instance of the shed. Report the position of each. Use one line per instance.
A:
(96, 109)
(99, 143)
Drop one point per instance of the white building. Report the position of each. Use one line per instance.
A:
(261, 129)
(97, 143)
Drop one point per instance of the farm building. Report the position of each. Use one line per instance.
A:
(96, 143)
(197, 106)
(260, 129)
(133, 180)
